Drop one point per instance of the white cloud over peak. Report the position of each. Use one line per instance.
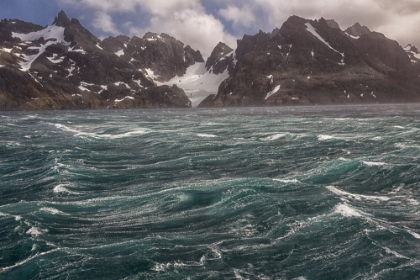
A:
(186, 20)
(103, 22)
(239, 16)
(202, 24)
(198, 29)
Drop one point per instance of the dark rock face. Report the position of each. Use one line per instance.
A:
(217, 61)
(304, 62)
(414, 56)
(161, 54)
(333, 24)
(357, 30)
(251, 43)
(15, 25)
(314, 62)
(156, 97)
(64, 66)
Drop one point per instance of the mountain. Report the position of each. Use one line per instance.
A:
(304, 62)
(64, 66)
(160, 57)
(314, 62)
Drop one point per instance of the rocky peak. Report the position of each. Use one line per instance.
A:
(333, 24)
(220, 51)
(161, 54)
(411, 48)
(274, 32)
(62, 19)
(357, 30)
(414, 55)
(192, 56)
(251, 43)
(115, 44)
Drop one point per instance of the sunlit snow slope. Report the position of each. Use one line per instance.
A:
(198, 83)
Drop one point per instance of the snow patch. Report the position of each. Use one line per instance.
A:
(275, 90)
(312, 30)
(127, 97)
(197, 83)
(151, 74)
(50, 32)
(351, 36)
(120, 52)
(7, 50)
(82, 88)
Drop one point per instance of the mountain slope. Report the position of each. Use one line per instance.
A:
(64, 66)
(314, 62)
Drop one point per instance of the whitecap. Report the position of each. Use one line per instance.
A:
(356, 196)
(322, 137)
(52, 211)
(346, 211)
(123, 135)
(287, 180)
(389, 251)
(205, 135)
(415, 235)
(160, 267)
(62, 189)
(35, 231)
(76, 132)
(273, 137)
(374, 163)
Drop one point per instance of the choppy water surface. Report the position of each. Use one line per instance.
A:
(252, 193)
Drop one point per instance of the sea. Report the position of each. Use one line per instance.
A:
(224, 193)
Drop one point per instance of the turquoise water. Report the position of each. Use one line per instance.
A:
(251, 193)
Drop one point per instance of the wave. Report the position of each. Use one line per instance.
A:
(323, 137)
(347, 211)
(62, 189)
(356, 196)
(274, 137)
(287, 180)
(76, 132)
(205, 135)
(36, 231)
(4, 269)
(415, 235)
(374, 163)
(52, 211)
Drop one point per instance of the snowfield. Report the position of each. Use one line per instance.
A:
(198, 83)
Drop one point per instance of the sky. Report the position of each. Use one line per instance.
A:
(204, 23)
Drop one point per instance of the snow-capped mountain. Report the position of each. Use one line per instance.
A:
(64, 66)
(314, 62)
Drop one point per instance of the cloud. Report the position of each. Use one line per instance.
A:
(200, 30)
(186, 20)
(396, 19)
(202, 24)
(239, 16)
(103, 21)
